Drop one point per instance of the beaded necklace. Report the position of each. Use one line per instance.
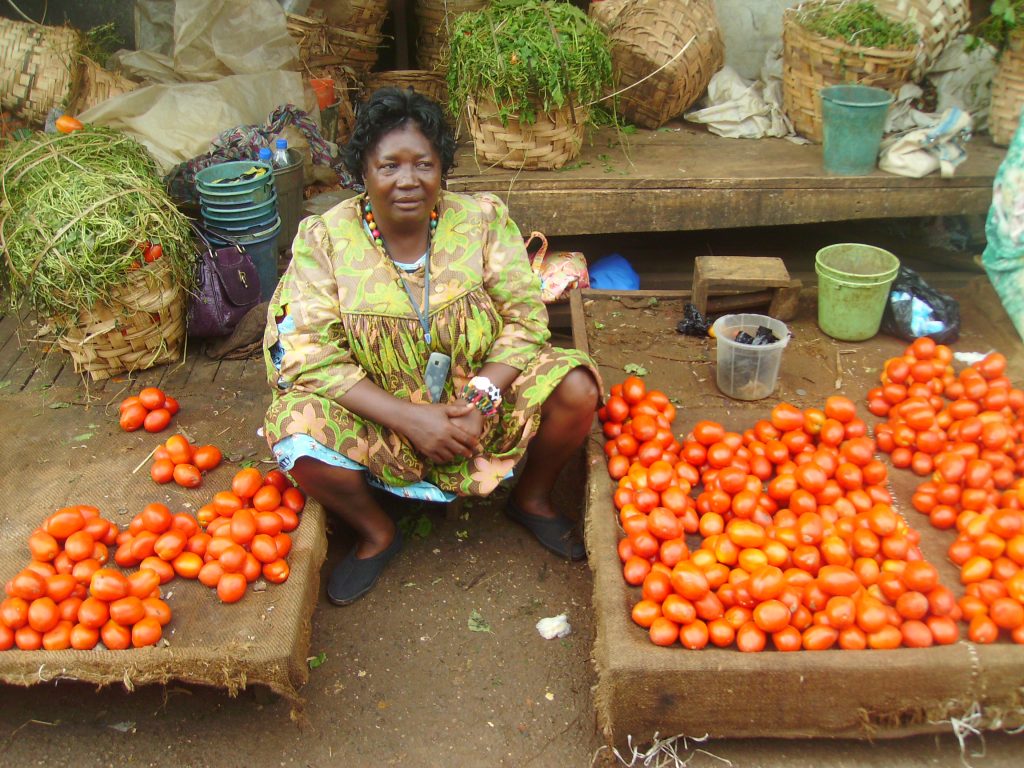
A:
(423, 315)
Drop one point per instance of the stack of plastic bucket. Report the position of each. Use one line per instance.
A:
(853, 288)
(238, 204)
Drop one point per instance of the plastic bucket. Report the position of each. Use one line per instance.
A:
(288, 182)
(853, 120)
(223, 183)
(261, 245)
(746, 371)
(853, 286)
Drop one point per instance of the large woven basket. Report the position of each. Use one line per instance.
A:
(811, 62)
(38, 68)
(96, 85)
(430, 84)
(664, 53)
(141, 325)
(434, 20)
(550, 142)
(355, 45)
(1007, 92)
(938, 22)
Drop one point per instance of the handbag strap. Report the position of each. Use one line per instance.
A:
(538, 258)
(204, 235)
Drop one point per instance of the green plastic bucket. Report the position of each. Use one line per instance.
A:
(853, 286)
(225, 183)
(853, 120)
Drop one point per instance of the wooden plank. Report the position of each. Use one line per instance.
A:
(684, 178)
(600, 211)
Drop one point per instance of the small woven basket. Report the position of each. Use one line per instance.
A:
(811, 62)
(938, 22)
(96, 85)
(355, 45)
(549, 143)
(38, 68)
(141, 325)
(1007, 92)
(435, 19)
(430, 84)
(664, 53)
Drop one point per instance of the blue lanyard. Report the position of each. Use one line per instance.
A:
(424, 315)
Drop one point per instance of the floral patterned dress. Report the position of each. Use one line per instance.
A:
(341, 313)
(1003, 258)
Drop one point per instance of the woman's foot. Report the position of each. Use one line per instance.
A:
(354, 576)
(554, 531)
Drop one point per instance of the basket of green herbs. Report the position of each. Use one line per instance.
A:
(525, 72)
(834, 43)
(93, 245)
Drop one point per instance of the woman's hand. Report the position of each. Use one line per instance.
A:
(472, 421)
(442, 432)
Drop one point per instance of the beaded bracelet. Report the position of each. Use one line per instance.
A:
(483, 395)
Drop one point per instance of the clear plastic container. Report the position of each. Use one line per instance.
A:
(748, 371)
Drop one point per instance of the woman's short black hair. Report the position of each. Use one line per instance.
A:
(391, 108)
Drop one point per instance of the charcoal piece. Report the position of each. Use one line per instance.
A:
(693, 322)
(764, 336)
(744, 338)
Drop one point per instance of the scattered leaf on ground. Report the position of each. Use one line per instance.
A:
(317, 661)
(478, 623)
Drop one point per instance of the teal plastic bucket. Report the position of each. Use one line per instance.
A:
(236, 223)
(261, 245)
(853, 120)
(230, 183)
(853, 286)
(243, 209)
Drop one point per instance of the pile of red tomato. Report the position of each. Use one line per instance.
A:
(151, 410)
(182, 462)
(801, 547)
(67, 598)
(965, 432)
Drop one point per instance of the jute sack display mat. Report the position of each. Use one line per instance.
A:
(645, 690)
(69, 455)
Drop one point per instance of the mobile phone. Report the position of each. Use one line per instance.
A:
(437, 374)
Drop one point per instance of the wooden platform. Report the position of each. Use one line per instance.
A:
(681, 177)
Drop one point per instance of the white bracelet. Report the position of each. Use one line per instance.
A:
(486, 386)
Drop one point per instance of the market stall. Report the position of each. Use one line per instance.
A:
(644, 689)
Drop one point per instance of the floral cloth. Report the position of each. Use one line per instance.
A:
(1004, 230)
(349, 317)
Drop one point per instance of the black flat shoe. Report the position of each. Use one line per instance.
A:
(554, 533)
(353, 577)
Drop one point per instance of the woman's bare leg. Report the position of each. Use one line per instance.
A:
(344, 493)
(566, 419)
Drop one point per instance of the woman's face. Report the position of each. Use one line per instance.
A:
(403, 177)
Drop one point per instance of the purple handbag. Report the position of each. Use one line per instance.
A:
(227, 286)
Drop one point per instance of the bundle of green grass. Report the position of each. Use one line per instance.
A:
(76, 211)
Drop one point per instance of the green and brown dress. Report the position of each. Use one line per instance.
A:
(341, 313)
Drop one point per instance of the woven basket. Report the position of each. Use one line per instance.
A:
(434, 20)
(811, 62)
(356, 46)
(1007, 92)
(658, 75)
(938, 22)
(141, 325)
(96, 85)
(550, 142)
(430, 84)
(38, 68)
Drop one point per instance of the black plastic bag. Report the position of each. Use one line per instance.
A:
(915, 309)
(693, 322)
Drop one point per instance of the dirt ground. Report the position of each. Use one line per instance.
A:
(440, 665)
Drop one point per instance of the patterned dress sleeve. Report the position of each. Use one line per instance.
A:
(316, 359)
(513, 287)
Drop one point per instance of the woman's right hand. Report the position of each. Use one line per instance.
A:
(432, 431)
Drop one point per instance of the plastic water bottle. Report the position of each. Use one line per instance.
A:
(280, 159)
(265, 156)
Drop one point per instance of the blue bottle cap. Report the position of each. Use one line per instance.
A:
(282, 143)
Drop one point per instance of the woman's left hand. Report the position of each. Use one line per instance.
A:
(472, 422)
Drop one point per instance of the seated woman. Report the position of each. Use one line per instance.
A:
(406, 347)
